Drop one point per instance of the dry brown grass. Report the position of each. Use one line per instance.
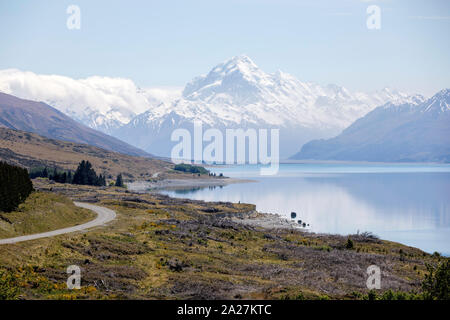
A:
(42, 212)
(165, 248)
(31, 150)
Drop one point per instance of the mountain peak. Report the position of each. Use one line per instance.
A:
(241, 64)
(235, 77)
(241, 59)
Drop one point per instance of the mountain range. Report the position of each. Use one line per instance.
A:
(415, 131)
(40, 118)
(234, 94)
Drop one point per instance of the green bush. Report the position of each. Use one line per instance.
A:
(8, 286)
(184, 167)
(400, 295)
(349, 244)
(437, 282)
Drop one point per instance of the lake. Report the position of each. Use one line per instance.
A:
(406, 203)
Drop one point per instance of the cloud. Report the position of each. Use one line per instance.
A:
(156, 95)
(105, 99)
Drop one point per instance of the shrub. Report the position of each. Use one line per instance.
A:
(349, 244)
(437, 282)
(300, 296)
(184, 167)
(372, 295)
(8, 286)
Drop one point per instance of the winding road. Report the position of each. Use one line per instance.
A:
(104, 216)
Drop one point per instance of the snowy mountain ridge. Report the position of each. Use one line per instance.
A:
(406, 132)
(237, 91)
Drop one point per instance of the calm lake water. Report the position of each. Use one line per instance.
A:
(403, 202)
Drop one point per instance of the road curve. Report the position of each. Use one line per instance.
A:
(104, 216)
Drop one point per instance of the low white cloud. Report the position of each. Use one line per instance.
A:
(108, 102)
(163, 94)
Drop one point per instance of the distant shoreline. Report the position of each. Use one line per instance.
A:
(173, 184)
(294, 161)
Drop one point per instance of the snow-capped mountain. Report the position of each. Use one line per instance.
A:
(414, 131)
(237, 93)
(234, 94)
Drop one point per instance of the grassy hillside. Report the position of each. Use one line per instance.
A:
(164, 248)
(42, 212)
(31, 150)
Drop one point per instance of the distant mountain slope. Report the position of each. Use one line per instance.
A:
(392, 132)
(45, 120)
(32, 150)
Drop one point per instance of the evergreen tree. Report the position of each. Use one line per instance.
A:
(63, 178)
(437, 282)
(101, 180)
(60, 176)
(15, 186)
(55, 176)
(119, 180)
(85, 174)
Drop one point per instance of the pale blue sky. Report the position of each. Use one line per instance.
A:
(167, 43)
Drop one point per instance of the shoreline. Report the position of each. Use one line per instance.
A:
(174, 184)
(263, 220)
(256, 219)
(268, 221)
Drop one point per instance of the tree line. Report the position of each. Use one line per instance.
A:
(61, 176)
(86, 175)
(83, 175)
(15, 186)
(185, 167)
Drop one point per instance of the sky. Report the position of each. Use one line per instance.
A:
(167, 43)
